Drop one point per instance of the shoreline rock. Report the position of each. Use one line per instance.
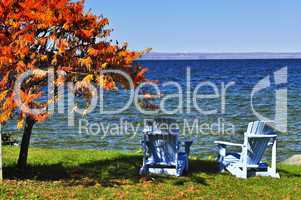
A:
(293, 160)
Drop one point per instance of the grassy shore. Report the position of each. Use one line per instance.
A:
(88, 174)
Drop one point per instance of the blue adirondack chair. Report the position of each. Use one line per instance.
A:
(248, 162)
(163, 153)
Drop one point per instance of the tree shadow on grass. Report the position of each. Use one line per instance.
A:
(111, 172)
(206, 166)
(288, 174)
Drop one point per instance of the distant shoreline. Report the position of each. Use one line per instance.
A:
(218, 56)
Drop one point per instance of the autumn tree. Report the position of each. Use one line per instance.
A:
(39, 35)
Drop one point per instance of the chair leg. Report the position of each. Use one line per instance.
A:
(143, 170)
(273, 169)
(244, 173)
(272, 173)
(237, 171)
(221, 166)
(220, 159)
(179, 170)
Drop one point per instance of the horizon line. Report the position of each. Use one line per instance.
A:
(228, 52)
(211, 56)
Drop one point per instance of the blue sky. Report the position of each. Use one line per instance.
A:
(204, 25)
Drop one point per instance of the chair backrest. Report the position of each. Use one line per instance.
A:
(162, 148)
(257, 146)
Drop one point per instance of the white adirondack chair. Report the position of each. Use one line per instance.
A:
(163, 153)
(248, 162)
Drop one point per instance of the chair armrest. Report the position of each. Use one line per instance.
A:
(187, 144)
(143, 144)
(228, 143)
(222, 146)
(261, 136)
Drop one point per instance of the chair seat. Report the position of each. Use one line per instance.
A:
(155, 163)
(234, 158)
(231, 158)
(182, 157)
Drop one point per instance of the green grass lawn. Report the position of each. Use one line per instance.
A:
(89, 174)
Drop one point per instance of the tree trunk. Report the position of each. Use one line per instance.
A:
(1, 173)
(22, 161)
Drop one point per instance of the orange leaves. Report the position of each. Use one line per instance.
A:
(42, 41)
(28, 98)
(57, 4)
(30, 4)
(60, 35)
(46, 19)
(5, 115)
(21, 67)
(85, 62)
(37, 11)
(66, 26)
(124, 53)
(6, 55)
(24, 100)
(66, 69)
(140, 76)
(13, 24)
(44, 57)
(60, 81)
(127, 57)
(5, 60)
(92, 52)
(54, 60)
(7, 3)
(85, 82)
(1, 12)
(137, 55)
(23, 52)
(53, 37)
(6, 51)
(111, 49)
(104, 21)
(77, 7)
(38, 73)
(5, 79)
(104, 65)
(62, 45)
(20, 121)
(88, 78)
(106, 82)
(28, 38)
(8, 103)
(142, 72)
(86, 33)
(2, 37)
(40, 117)
(3, 94)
